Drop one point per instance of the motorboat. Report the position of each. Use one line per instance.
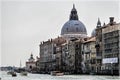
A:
(14, 74)
(56, 73)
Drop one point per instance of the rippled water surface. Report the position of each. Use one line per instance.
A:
(49, 77)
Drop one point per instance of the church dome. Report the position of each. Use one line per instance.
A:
(73, 26)
(93, 34)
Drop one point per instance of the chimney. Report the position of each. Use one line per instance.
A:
(111, 20)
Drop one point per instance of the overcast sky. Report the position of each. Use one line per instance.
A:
(26, 23)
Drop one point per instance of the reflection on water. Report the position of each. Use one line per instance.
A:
(49, 77)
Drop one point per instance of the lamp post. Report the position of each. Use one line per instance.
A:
(111, 69)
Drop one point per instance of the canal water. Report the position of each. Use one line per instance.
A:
(4, 76)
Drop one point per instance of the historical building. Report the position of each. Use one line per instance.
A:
(31, 63)
(89, 55)
(50, 54)
(73, 28)
(72, 56)
(111, 46)
(47, 55)
(58, 52)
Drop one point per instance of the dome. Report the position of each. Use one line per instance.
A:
(93, 34)
(73, 27)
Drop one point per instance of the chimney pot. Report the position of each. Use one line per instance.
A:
(111, 20)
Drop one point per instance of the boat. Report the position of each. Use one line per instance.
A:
(10, 72)
(23, 73)
(56, 73)
(14, 74)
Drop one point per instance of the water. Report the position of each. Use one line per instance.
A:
(49, 77)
